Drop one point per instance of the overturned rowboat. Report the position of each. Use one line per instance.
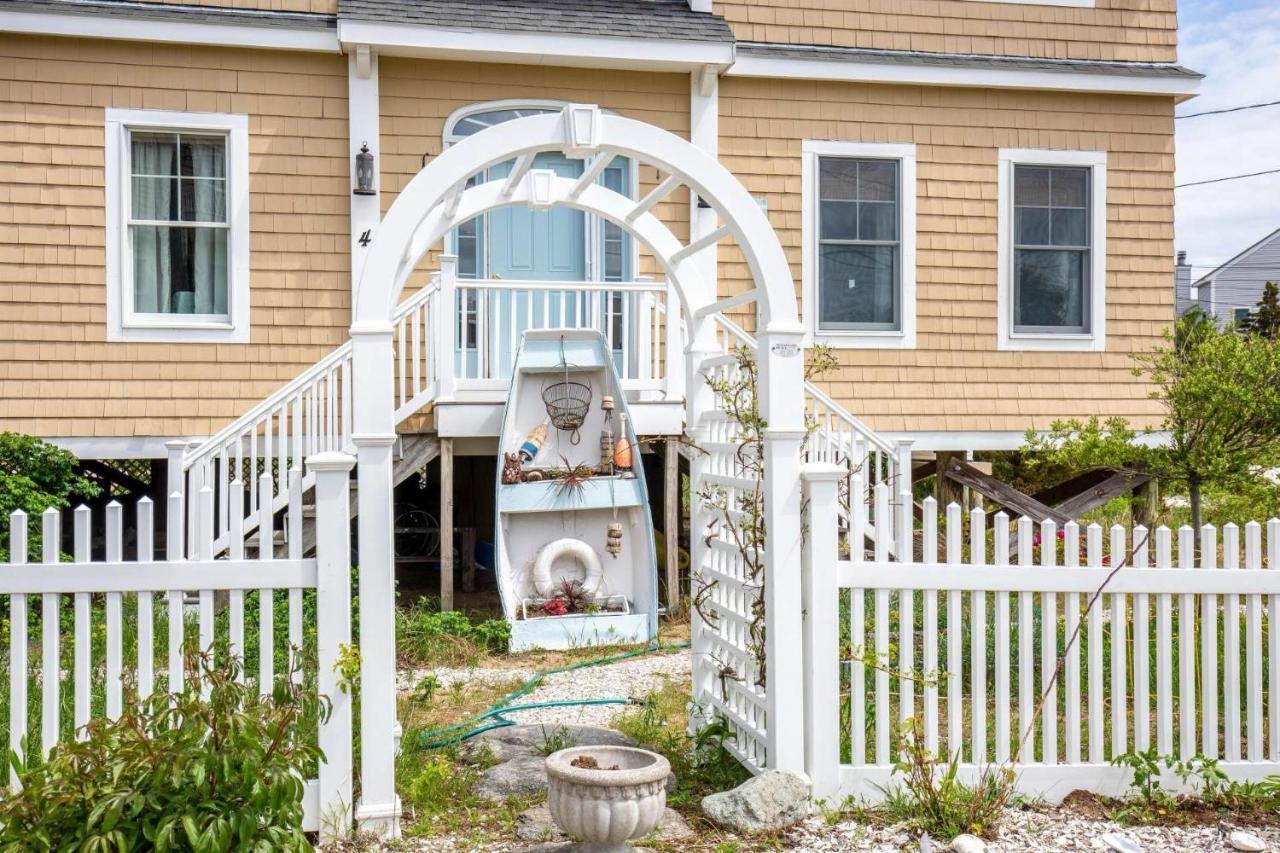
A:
(574, 537)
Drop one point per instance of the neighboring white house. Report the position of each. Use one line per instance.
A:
(1232, 290)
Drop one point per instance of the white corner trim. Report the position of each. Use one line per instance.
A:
(119, 290)
(533, 48)
(1096, 339)
(273, 35)
(864, 71)
(363, 127)
(905, 154)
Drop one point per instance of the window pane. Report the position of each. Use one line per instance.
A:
(1070, 227)
(1032, 226)
(877, 180)
(154, 153)
(179, 270)
(877, 220)
(204, 156)
(837, 178)
(1050, 288)
(1031, 185)
(1069, 187)
(838, 220)
(204, 200)
(859, 286)
(154, 199)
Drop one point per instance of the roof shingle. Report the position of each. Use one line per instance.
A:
(666, 19)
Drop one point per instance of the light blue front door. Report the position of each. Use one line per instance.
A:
(534, 245)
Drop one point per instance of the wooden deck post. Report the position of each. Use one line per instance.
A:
(446, 524)
(944, 488)
(671, 521)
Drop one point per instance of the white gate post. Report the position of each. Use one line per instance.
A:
(821, 628)
(781, 392)
(373, 409)
(333, 631)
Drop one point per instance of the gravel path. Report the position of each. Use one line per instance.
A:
(633, 679)
(1026, 832)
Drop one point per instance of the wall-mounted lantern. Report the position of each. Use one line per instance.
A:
(364, 172)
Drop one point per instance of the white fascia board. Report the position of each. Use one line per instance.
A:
(862, 71)
(268, 35)
(533, 48)
(115, 447)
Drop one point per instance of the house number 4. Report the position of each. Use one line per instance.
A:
(367, 237)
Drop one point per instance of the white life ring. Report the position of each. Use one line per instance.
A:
(592, 571)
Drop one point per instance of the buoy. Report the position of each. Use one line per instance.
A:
(622, 456)
(533, 443)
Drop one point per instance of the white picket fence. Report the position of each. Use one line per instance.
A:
(1182, 652)
(117, 598)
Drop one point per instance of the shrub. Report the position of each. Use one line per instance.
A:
(34, 476)
(177, 772)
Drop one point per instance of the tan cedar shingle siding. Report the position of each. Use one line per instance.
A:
(956, 379)
(1144, 31)
(58, 375)
(419, 96)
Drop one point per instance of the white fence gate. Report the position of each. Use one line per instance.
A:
(115, 601)
(1177, 652)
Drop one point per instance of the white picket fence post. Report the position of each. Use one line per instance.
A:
(821, 627)
(333, 633)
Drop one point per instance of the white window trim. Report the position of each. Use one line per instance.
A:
(905, 154)
(122, 327)
(1096, 339)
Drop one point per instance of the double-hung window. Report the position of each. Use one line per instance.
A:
(177, 187)
(859, 236)
(1052, 249)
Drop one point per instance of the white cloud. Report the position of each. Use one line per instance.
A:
(1237, 47)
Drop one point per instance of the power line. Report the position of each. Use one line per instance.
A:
(1227, 178)
(1230, 110)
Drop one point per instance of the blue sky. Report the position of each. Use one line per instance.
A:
(1236, 44)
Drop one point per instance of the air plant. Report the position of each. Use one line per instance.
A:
(574, 595)
(570, 479)
(555, 607)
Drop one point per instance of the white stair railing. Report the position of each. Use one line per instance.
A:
(838, 437)
(311, 414)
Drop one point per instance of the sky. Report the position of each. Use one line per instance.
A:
(1236, 45)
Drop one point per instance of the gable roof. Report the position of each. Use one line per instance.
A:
(1265, 241)
(646, 19)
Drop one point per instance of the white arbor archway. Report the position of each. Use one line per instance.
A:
(436, 201)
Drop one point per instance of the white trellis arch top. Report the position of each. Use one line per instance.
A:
(437, 200)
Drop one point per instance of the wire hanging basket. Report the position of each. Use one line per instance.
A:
(567, 405)
(567, 401)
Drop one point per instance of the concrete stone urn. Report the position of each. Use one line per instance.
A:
(611, 793)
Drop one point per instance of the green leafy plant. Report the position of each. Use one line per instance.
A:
(175, 772)
(933, 799)
(1146, 777)
(425, 635)
(554, 739)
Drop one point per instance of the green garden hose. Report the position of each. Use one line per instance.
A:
(494, 717)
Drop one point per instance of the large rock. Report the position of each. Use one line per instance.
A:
(518, 753)
(773, 800)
